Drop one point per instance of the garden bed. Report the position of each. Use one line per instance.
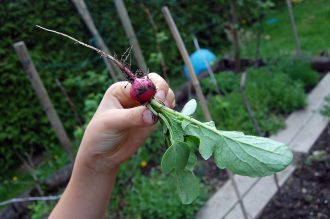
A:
(306, 194)
(303, 129)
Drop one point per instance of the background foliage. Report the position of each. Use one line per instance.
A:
(274, 91)
(23, 123)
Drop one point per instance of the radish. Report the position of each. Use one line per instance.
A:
(142, 90)
(245, 155)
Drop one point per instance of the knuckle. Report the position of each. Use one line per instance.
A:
(111, 88)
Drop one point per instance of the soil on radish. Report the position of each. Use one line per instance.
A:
(306, 194)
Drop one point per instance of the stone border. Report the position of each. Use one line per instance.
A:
(302, 130)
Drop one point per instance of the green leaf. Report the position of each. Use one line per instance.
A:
(173, 126)
(184, 124)
(192, 142)
(187, 185)
(242, 154)
(256, 156)
(192, 161)
(210, 123)
(164, 123)
(207, 139)
(189, 108)
(175, 157)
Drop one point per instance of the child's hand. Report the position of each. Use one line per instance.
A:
(119, 126)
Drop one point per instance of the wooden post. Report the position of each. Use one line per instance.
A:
(186, 59)
(131, 34)
(198, 90)
(294, 29)
(234, 32)
(247, 105)
(84, 13)
(43, 97)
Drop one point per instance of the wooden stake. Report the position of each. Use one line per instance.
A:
(84, 13)
(198, 89)
(253, 118)
(186, 59)
(131, 34)
(234, 32)
(43, 97)
(248, 106)
(294, 28)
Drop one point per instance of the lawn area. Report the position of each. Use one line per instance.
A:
(312, 20)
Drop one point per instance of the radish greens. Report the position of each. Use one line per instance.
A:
(242, 154)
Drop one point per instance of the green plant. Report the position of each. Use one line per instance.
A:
(326, 107)
(316, 156)
(271, 94)
(298, 70)
(40, 209)
(276, 90)
(230, 114)
(242, 154)
(152, 197)
(19, 128)
(227, 82)
(276, 38)
(23, 123)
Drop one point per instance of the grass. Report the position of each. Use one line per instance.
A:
(312, 20)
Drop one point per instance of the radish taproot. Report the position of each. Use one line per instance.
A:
(242, 154)
(142, 89)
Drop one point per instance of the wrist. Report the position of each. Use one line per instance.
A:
(87, 193)
(95, 164)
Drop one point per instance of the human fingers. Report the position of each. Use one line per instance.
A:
(120, 119)
(117, 96)
(170, 99)
(161, 86)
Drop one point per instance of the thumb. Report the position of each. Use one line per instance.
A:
(139, 116)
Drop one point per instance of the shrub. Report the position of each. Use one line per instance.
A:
(271, 94)
(226, 81)
(154, 197)
(229, 114)
(275, 90)
(298, 70)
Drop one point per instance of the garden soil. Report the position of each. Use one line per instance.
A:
(306, 194)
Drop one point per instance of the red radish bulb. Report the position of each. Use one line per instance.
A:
(142, 90)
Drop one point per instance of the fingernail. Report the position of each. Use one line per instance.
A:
(160, 95)
(148, 117)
